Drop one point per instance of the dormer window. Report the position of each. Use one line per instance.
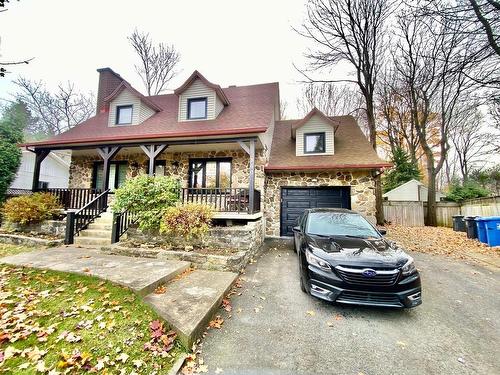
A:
(314, 143)
(197, 108)
(124, 115)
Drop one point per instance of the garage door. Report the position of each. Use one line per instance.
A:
(295, 200)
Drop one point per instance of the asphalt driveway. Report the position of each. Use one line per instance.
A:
(274, 328)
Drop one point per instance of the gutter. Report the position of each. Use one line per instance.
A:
(76, 142)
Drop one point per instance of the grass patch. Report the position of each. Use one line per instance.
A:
(8, 249)
(68, 323)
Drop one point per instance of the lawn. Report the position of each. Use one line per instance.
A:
(56, 323)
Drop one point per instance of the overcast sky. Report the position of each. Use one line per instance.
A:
(228, 41)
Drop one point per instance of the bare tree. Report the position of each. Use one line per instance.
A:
(5, 64)
(350, 31)
(433, 67)
(283, 108)
(471, 143)
(330, 98)
(157, 62)
(55, 112)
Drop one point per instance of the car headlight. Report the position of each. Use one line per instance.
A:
(409, 267)
(316, 261)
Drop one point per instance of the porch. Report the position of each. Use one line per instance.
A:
(218, 172)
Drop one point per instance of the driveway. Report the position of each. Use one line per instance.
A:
(277, 329)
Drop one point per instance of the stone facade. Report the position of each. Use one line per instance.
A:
(361, 183)
(82, 167)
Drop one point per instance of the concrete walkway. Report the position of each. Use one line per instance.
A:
(187, 305)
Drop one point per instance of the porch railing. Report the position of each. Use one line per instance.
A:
(73, 198)
(223, 200)
(121, 223)
(79, 220)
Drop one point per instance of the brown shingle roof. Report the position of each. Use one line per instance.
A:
(251, 111)
(352, 149)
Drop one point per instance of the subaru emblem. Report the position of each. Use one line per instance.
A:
(369, 273)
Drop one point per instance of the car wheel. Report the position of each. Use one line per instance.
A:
(302, 286)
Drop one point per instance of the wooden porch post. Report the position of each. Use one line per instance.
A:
(153, 151)
(107, 153)
(250, 150)
(40, 155)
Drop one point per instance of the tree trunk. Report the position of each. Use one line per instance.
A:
(379, 208)
(431, 218)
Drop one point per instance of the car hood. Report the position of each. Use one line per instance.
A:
(358, 251)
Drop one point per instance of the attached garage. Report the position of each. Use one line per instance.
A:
(294, 200)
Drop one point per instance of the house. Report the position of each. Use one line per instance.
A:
(413, 191)
(54, 171)
(227, 146)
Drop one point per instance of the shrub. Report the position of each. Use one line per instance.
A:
(187, 221)
(468, 190)
(148, 197)
(28, 209)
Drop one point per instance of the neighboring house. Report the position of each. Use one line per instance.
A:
(227, 146)
(54, 172)
(413, 191)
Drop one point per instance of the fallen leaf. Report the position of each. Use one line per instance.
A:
(311, 313)
(216, 323)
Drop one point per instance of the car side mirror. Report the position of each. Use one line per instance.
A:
(296, 229)
(383, 232)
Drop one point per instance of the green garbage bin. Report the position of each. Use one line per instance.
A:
(458, 223)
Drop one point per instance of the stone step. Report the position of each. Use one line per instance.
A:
(190, 302)
(96, 233)
(92, 241)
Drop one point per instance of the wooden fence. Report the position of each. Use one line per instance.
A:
(412, 214)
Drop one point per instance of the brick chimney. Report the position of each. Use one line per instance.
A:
(108, 82)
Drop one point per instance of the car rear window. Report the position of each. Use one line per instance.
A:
(339, 224)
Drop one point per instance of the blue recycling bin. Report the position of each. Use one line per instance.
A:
(492, 226)
(481, 230)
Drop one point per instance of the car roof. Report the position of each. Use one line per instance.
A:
(333, 210)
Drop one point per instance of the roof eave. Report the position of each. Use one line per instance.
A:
(328, 167)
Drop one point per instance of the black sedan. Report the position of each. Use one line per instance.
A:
(344, 259)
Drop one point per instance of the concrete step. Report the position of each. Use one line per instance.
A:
(190, 302)
(96, 233)
(100, 226)
(92, 241)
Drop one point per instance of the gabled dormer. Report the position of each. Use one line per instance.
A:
(199, 99)
(127, 106)
(314, 134)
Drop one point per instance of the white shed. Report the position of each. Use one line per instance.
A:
(413, 191)
(54, 171)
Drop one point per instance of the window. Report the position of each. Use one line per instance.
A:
(117, 174)
(160, 166)
(43, 185)
(314, 143)
(210, 173)
(123, 114)
(197, 108)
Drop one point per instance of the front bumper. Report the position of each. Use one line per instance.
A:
(405, 293)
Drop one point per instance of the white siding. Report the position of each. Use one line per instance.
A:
(219, 106)
(199, 90)
(315, 125)
(409, 192)
(51, 171)
(140, 111)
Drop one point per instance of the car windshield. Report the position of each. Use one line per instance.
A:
(339, 224)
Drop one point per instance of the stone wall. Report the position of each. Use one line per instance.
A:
(242, 243)
(56, 228)
(81, 166)
(362, 192)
